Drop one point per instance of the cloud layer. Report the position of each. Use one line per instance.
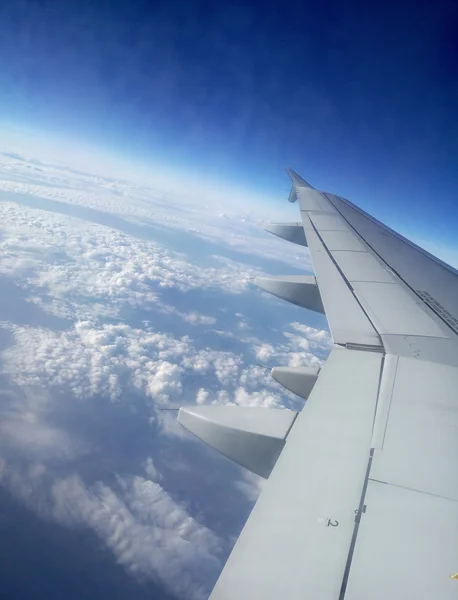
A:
(120, 302)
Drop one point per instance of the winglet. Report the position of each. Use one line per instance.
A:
(297, 180)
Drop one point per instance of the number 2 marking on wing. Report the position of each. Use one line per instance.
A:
(332, 523)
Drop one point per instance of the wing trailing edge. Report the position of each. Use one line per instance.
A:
(366, 485)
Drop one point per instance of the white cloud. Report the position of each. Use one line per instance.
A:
(319, 336)
(197, 319)
(112, 360)
(149, 533)
(250, 485)
(193, 318)
(151, 470)
(263, 398)
(96, 271)
(95, 359)
(265, 352)
(202, 396)
(109, 359)
(25, 432)
(298, 349)
(240, 229)
(83, 270)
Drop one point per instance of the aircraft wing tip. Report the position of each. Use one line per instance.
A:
(297, 179)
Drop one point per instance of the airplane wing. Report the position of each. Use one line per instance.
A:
(361, 498)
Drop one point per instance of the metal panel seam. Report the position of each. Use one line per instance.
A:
(393, 270)
(359, 511)
(391, 400)
(411, 489)
(392, 232)
(363, 347)
(346, 281)
(382, 364)
(361, 508)
(291, 426)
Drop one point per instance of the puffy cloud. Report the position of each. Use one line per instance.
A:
(133, 282)
(304, 346)
(193, 318)
(146, 206)
(265, 352)
(202, 396)
(86, 270)
(151, 470)
(24, 431)
(148, 532)
(197, 319)
(95, 359)
(263, 398)
(250, 485)
(319, 336)
(111, 359)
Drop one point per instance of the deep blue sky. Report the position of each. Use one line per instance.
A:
(361, 98)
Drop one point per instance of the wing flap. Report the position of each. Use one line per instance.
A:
(420, 443)
(363, 499)
(407, 546)
(296, 541)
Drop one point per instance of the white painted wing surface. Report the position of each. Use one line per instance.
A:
(363, 500)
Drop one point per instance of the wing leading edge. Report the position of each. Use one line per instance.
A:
(363, 499)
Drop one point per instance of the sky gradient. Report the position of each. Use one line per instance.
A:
(359, 98)
(142, 150)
